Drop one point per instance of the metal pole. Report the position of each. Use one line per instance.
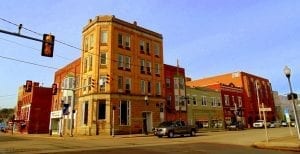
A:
(258, 101)
(113, 124)
(72, 114)
(265, 123)
(294, 107)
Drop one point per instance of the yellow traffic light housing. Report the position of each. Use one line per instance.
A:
(48, 45)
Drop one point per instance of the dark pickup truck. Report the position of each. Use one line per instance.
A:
(172, 128)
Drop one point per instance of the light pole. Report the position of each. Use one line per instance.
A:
(287, 72)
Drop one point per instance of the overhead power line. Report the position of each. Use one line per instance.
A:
(22, 61)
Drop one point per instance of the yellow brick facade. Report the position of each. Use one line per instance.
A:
(123, 62)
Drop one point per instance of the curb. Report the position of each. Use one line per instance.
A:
(277, 146)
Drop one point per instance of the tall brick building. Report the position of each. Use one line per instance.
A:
(256, 90)
(121, 78)
(33, 109)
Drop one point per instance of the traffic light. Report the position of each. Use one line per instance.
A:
(65, 109)
(295, 96)
(28, 86)
(48, 45)
(93, 83)
(107, 78)
(54, 89)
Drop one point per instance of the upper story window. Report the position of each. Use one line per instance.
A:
(128, 84)
(226, 97)
(148, 48)
(86, 44)
(156, 49)
(91, 41)
(104, 37)
(203, 101)
(124, 41)
(103, 57)
(240, 101)
(233, 99)
(85, 64)
(142, 46)
(158, 89)
(120, 61)
(120, 82)
(142, 66)
(84, 84)
(89, 83)
(194, 100)
(168, 82)
(157, 69)
(143, 87)
(127, 63)
(68, 83)
(102, 83)
(148, 66)
(149, 87)
(90, 62)
(214, 102)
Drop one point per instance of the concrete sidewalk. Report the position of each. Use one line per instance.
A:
(290, 143)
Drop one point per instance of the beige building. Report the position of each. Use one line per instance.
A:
(121, 78)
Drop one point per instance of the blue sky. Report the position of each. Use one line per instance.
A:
(209, 37)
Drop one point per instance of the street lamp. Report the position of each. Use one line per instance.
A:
(146, 99)
(287, 72)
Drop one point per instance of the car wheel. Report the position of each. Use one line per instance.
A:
(171, 134)
(193, 133)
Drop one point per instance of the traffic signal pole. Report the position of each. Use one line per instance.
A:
(20, 35)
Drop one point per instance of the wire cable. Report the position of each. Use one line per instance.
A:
(22, 61)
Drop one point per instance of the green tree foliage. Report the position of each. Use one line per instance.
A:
(6, 114)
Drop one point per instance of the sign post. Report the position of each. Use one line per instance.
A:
(263, 109)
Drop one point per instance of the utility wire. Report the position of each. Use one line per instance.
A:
(22, 61)
(31, 47)
(8, 95)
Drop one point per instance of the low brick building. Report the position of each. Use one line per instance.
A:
(33, 109)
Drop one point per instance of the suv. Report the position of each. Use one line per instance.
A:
(171, 128)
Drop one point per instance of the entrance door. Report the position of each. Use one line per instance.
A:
(147, 122)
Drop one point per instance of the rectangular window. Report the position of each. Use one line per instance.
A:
(86, 112)
(71, 83)
(120, 62)
(85, 64)
(226, 97)
(91, 41)
(214, 102)
(168, 82)
(158, 89)
(240, 101)
(128, 84)
(120, 82)
(233, 100)
(181, 83)
(84, 84)
(125, 112)
(156, 50)
(104, 37)
(90, 62)
(148, 48)
(86, 44)
(157, 69)
(194, 100)
(103, 58)
(203, 101)
(142, 66)
(127, 62)
(143, 87)
(120, 40)
(176, 83)
(127, 41)
(101, 110)
(142, 46)
(148, 66)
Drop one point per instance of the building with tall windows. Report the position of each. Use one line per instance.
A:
(66, 99)
(256, 93)
(121, 78)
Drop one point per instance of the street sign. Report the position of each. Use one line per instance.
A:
(265, 109)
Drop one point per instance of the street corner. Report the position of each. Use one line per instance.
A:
(277, 146)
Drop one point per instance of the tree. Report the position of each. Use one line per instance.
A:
(6, 114)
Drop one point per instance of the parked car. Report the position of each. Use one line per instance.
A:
(284, 124)
(293, 123)
(171, 128)
(274, 124)
(260, 124)
(235, 126)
